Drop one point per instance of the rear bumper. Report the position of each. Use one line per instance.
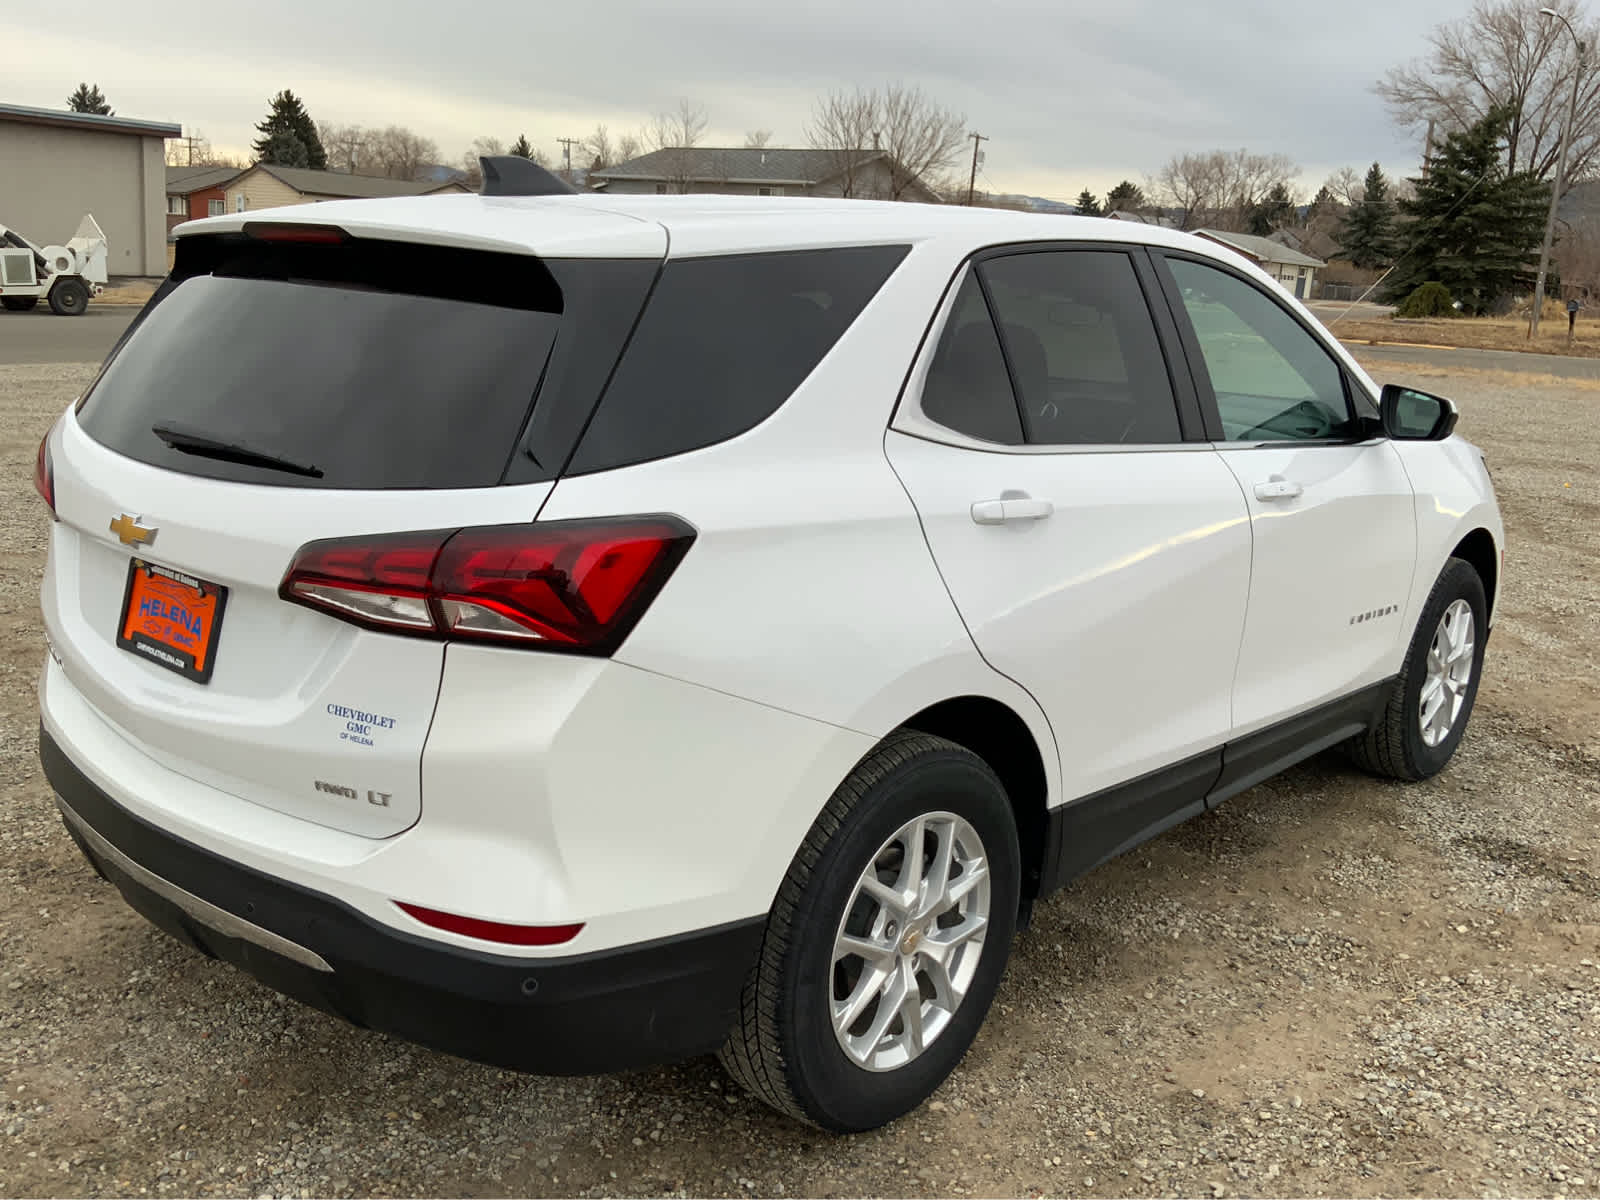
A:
(609, 1010)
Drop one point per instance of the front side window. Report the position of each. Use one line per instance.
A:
(178, 206)
(1082, 349)
(215, 208)
(1273, 380)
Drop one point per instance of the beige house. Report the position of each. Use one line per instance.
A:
(862, 174)
(271, 186)
(1297, 272)
(56, 165)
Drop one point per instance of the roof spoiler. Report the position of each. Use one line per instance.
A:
(513, 175)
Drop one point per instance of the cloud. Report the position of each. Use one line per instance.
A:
(1069, 94)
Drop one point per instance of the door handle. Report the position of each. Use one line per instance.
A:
(1010, 510)
(1278, 489)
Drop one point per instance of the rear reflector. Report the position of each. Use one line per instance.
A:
(492, 931)
(44, 474)
(577, 586)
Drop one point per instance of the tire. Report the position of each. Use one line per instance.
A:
(785, 1048)
(69, 298)
(1402, 743)
(19, 303)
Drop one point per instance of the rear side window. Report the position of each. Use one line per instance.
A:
(723, 342)
(1083, 350)
(362, 365)
(968, 389)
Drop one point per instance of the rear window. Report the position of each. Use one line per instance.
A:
(362, 365)
(722, 344)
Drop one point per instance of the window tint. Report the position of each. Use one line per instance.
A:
(722, 343)
(967, 388)
(1273, 380)
(303, 353)
(1082, 348)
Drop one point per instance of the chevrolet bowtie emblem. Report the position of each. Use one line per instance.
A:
(131, 532)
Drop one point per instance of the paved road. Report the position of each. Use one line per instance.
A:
(42, 337)
(1480, 360)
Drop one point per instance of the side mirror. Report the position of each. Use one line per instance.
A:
(1413, 416)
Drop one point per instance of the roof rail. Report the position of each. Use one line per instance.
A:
(513, 175)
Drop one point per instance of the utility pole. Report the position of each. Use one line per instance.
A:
(972, 180)
(1561, 170)
(1427, 149)
(566, 151)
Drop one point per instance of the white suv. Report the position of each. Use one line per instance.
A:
(575, 632)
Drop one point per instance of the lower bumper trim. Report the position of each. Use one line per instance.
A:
(579, 1014)
(208, 914)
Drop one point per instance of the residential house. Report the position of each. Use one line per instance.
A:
(1297, 272)
(1122, 214)
(271, 186)
(862, 174)
(195, 192)
(55, 166)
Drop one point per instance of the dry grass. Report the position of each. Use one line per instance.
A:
(136, 293)
(1481, 333)
(1387, 369)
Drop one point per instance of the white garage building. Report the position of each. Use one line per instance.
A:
(57, 165)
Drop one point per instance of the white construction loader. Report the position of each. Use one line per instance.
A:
(67, 276)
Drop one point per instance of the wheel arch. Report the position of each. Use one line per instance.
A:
(996, 733)
(1478, 550)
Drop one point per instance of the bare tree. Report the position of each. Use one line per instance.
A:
(350, 148)
(482, 147)
(1220, 187)
(196, 150)
(629, 145)
(402, 153)
(675, 133)
(843, 125)
(598, 149)
(921, 137)
(1504, 53)
(757, 139)
(1346, 186)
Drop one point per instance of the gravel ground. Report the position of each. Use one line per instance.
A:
(1334, 985)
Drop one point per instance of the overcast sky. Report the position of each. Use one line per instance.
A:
(1071, 94)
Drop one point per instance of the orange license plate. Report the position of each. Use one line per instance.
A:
(172, 619)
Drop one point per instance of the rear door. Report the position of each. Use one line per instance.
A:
(1331, 507)
(276, 394)
(1098, 556)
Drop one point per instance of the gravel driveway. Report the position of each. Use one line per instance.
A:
(1334, 985)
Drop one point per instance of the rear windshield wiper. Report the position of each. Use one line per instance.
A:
(190, 441)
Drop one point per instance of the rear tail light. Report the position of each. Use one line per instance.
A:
(578, 586)
(44, 474)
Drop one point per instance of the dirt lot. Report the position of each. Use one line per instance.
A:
(1332, 986)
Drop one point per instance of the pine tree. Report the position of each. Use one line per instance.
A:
(1272, 211)
(1321, 205)
(520, 147)
(286, 122)
(1473, 227)
(1087, 205)
(88, 99)
(1367, 237)
(1127, 196)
